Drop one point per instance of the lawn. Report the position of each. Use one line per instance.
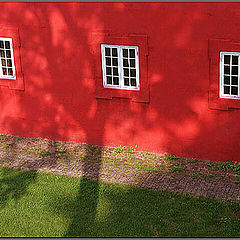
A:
(49, 205)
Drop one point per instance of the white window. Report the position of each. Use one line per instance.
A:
(7, 68)
(120, 67)
(229, 75)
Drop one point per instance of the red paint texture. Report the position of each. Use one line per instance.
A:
(58, 93)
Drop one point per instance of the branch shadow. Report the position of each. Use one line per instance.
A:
(14, 184)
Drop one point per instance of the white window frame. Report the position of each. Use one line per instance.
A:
(120, 67)
(13, 77)
(222, 95)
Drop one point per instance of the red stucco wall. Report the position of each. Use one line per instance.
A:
(61, 69)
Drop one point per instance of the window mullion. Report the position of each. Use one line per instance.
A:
(230, 78)
(1, 73)
(120, 66)
(103, 65)
(221, 74)
(137, 67)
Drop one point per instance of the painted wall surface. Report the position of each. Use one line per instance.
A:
(60, 65)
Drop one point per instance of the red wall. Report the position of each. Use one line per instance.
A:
(61, 65)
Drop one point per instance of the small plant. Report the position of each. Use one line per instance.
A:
(210, 164)
(62, 150)
(152, 169)
(131, 149)
(225, 219)
(170, 157)
(236, 167)
(195, 175)
(208, 175)
(139, 167)
(176, 169)
(43, 153)
(19, 139)
(220, 165)
(176, 164)
(192, 160)
(153, 157)
(57, 143)
(237, 181)
(147, 154)
(4, 137)
(91, 148)
(228, 164)
(120, 149)
(7, 147)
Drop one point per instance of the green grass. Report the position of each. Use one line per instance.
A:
(46, 205)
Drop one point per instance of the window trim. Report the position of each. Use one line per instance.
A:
(215, 46)
(12, 58)
(221, 74)
(120, 67)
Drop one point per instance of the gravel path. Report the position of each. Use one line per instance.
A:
(43, 155)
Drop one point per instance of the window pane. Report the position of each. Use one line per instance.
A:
(226, 70)
(226, 90)
(115, 81)
(3, 62)
(7, 44)
(226, 79)
(4, 71)
(234, 80)
(234, 90)
(234, 60)
(9, 63)
(133, 73)
(126, 81)
(108, 61)
(125, 63)
(132, 53)
(125, 52)
(235, 70)
(114, 52)
(115, 71)
(115, 62)
(10, 71)
(108, 70)
(107, 51)
(8, 53)
(2, 53)
(126, 72)
(226, 59)
(109, 80)
(133, 82)
(132, 62)
(1, 44)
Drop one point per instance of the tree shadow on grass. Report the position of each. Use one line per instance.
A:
(83, 218)
(128, 211)
(14, 184)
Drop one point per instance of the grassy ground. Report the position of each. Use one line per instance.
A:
(49, 205)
